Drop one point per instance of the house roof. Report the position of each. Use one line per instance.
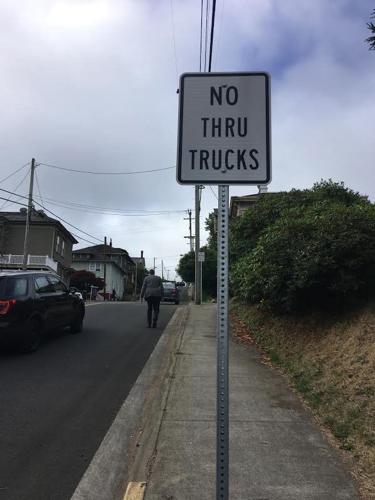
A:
(102, 252)
(138, 260)
(38, 218)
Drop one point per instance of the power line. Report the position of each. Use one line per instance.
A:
(212, 34)
(15, 172)
(110, 211)
(15, 189)
(105, 212)
(83, 239)
(37, 183)
(55, 215)
(201, 38)
(213, 192)
(206, 37)
(69, 223)
(16, 202)
(105, 173)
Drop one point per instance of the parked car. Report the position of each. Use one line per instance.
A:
(33, 303)
(170, 293)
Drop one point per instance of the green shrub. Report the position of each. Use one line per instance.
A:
(316, 254)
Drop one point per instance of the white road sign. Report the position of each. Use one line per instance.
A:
(224, 129)
(201, 256)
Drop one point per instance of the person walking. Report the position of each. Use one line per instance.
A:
(152, 292)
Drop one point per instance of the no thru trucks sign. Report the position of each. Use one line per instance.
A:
(224, 129)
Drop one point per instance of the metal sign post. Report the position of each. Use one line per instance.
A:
(223, 138)
(222, 408)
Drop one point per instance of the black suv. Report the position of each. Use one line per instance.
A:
(35, 302)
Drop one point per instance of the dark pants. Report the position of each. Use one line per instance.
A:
(153, 304)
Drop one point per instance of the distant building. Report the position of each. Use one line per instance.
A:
(50, 244)
(139, 261)
(140, 266)
(239, 204)
(115, 263)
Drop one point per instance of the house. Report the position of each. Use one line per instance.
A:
(140, 267)
(50, 243)
(239, 204)
(113, 264)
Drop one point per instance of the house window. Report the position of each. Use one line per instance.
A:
(57, 244)
(92, 266)
(97, 269)
(63, 247)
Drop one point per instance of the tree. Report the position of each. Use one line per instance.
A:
(371, 39)
(317, 249)
(83, 280)
(186, 269)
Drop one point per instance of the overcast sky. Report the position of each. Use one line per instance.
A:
(91, 85)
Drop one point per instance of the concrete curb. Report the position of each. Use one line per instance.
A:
(124, 447)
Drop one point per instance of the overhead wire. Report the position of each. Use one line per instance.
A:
(213, 192)
(16, 202)
(14, 190)
(92, 172)
(212, 34)
(206, 37)
(38, 186)
(55, 215)
(201, 39)
(14, 173)
(107, 210)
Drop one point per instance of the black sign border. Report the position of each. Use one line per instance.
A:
(268, 127)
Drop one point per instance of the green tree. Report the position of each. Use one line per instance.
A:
(371, 39)
(186, 269)
(315, 254)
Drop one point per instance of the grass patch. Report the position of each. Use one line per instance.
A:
(330, 359)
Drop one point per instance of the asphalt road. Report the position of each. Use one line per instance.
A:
(57, 404)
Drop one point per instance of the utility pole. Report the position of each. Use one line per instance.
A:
(136, 281)
(190, 237)
(198, 277)
(105, 267)
(26, 245)
(162, 270)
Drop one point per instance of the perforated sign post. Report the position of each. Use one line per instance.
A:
(224, 138)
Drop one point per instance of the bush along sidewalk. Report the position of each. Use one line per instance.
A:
(330, 360)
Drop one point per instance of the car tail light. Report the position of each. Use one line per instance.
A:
(6, 305)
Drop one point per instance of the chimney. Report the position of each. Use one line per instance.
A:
(141, 254)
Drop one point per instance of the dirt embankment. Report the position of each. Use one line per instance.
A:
(330, 360)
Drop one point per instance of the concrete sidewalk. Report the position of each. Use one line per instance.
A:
(276, 450)
(165, 433)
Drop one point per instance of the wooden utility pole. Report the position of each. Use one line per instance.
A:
(26, 245)
(190, 237)
(162, 270)
(136, 280)
(105, 267)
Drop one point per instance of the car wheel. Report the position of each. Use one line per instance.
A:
(77, 324)
(32, 338)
